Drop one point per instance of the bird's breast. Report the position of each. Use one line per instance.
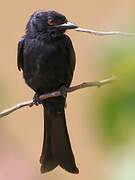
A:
(45, 65)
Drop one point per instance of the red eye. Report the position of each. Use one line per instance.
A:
(51, 21)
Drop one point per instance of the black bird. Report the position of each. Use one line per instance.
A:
(47, 58)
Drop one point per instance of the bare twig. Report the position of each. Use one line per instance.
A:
(57, 93)
(102, 33)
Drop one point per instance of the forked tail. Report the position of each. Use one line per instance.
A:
(56, 145)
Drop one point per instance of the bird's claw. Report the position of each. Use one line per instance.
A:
(63, 91)
(36, 99)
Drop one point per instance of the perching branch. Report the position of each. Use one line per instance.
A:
(102, 33)
(57, 93)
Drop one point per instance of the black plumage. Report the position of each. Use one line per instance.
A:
(47, 58)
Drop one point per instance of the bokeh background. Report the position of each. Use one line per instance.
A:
(101, 121)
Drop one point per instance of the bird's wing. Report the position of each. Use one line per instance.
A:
(20, 53)
(71, 54)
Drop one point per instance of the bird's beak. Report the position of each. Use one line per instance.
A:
(68, 25)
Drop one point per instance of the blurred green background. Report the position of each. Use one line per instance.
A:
(101, 121)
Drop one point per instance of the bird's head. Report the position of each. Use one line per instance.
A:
(48, 21)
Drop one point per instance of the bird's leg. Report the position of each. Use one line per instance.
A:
(63, 91)
(36, 99)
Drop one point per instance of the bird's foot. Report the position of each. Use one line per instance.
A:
(63, 91)
(36, 100)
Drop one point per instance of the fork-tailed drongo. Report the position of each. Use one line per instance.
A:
(47, 58)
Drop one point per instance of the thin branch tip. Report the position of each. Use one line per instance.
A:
(114, 77)
(103, 33)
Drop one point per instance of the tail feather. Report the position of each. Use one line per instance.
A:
(56, 146)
